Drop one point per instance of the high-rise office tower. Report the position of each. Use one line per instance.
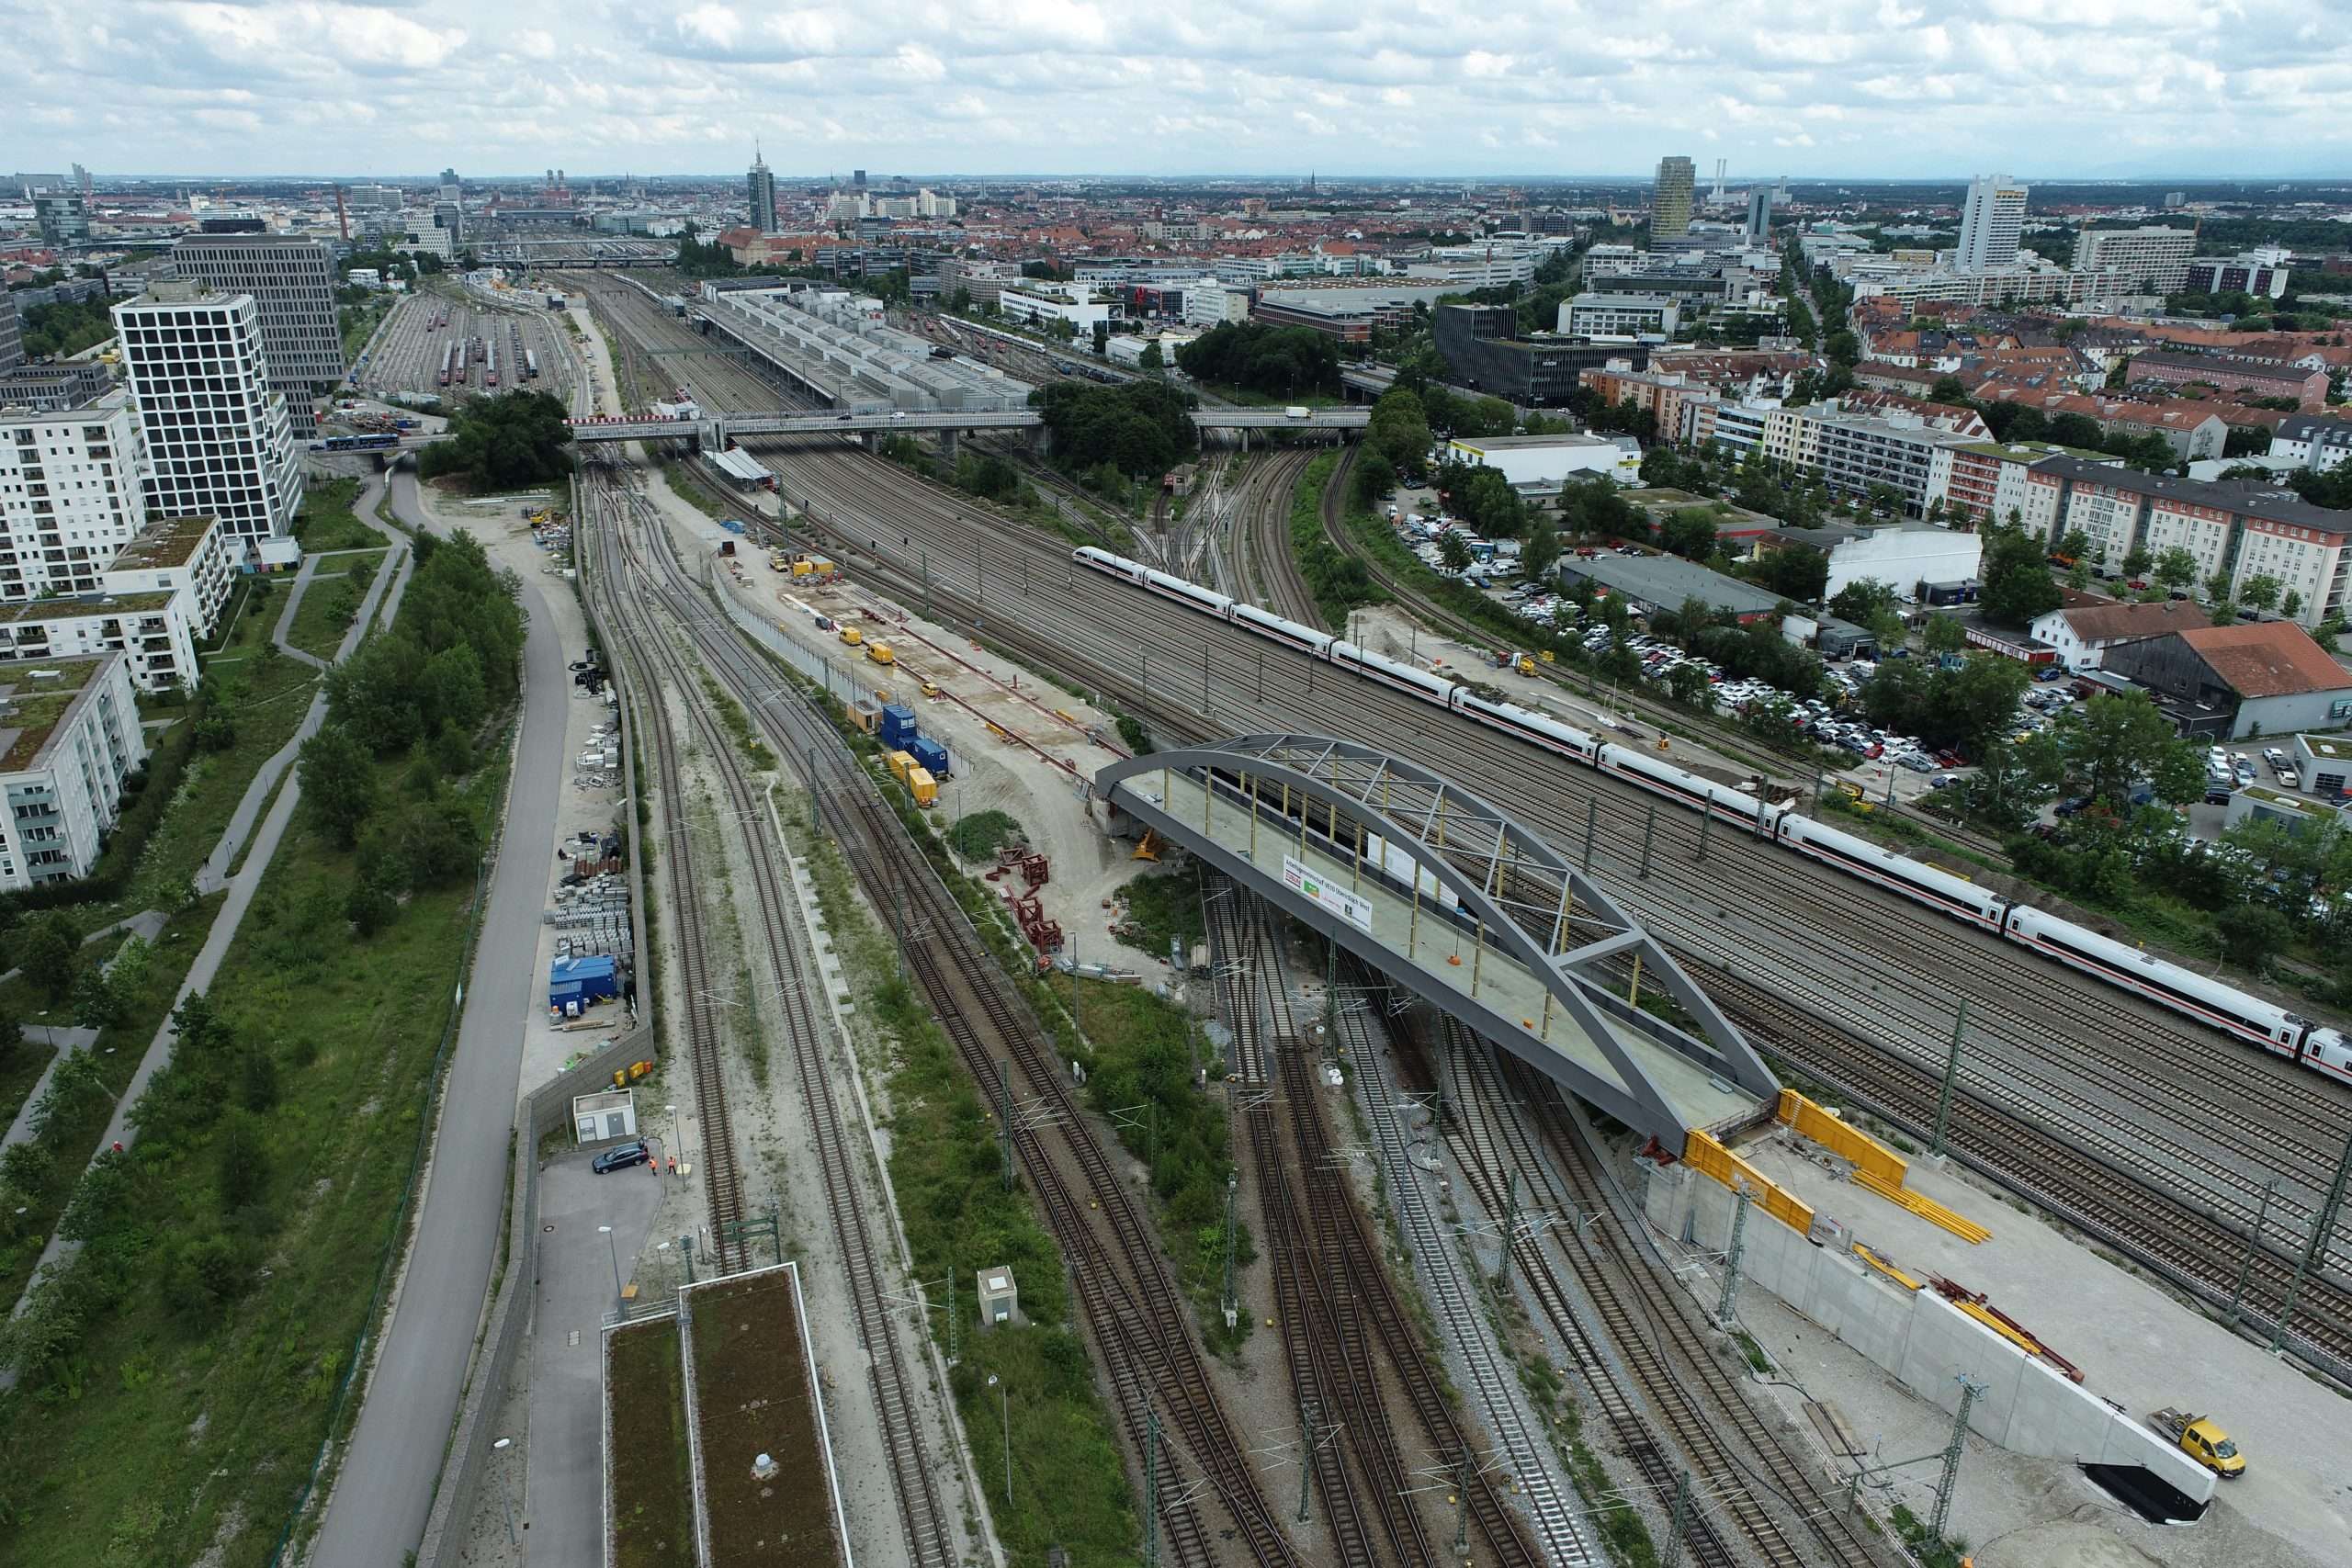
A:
(1990, 224)
(219, 444)
(12, 335)
(759, 184)
(292, 282)
(452, 189)
(1759, 214)
(64, 217)
(1670, 208)
(858, 178)
(82, 181)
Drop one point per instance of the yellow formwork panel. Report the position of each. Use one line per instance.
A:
(1849, 1144)
(1702, 1152)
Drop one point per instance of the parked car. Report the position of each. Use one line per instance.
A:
(620, 1156)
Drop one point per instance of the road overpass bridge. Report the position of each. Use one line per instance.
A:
(1461, 906)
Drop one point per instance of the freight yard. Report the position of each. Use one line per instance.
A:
(818, 690)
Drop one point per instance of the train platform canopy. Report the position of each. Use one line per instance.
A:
(1464, 907)
(740, 465)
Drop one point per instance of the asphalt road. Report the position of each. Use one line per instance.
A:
(565, 1495)
(385, 1486)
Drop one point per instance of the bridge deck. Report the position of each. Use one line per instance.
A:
(1406, 923)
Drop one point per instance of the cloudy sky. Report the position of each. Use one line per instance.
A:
(1805, 87)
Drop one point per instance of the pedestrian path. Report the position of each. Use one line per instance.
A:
(294, 592)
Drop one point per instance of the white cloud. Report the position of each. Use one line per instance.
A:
(973, 86)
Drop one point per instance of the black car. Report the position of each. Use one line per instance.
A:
(620, 1156)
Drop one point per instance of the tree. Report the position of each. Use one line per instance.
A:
(1102, 338)
(2259, 591)
(2293, 605)
(1453, 552)
(2017, 584)
(1689, 533)
(2076, 545)
(503, 443)
(1947, 389)
(198, 1030)
(1793, 571)
(98, 1002)
(52, 948)
(2252, 935)
(1151, 358)
(1689, 685)
(1861, 600)
(1374, 477)
(338, 782)
(1539, 552)
(2114, 742)
(1943, 634)
(2136, 561)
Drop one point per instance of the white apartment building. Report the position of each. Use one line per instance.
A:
(428, 238)
(2312, 442)
(291, 282)
(1993, 480)
(218, 441)
(1614, 261)
(189, 555)
(2154, 258)
(1213, 304)
(1902, 453)
(2026, 285)
(1038, 302)
(152, 630)
(1620, 315)
(1992, 221)
(1737, 427)
(70, 496)
(73, 737)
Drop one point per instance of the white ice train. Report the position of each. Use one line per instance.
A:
(2184, 991)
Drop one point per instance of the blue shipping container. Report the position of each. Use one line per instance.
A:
(580, 980)
(929, 755)
(898, 726)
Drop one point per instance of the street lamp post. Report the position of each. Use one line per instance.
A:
(504, 1501)
(613, 1247)
(1004, 1398)
(676, 1142)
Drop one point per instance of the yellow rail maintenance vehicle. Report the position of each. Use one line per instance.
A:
(2201, 1439)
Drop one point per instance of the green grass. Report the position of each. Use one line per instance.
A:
(267, 695)
(72, 1136)
(653, 1521)
(980, 834)
(1165, 906)
(1338, 581)
(326, 612)
(1069, 1484)
(694, 493)
(327, 521)
(185, 1420)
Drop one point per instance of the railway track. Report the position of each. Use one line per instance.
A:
(927, 1531)
(1847, 967)
(1341, 1315)
(1687, 1393)
(1141, 1324)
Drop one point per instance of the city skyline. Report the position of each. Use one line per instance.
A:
(1871, 91)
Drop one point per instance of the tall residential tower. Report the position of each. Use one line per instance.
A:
(1990, 224)
(217, 441)
(1671, 209)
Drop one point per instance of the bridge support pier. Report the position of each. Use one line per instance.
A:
(871, 440)
(947, 444)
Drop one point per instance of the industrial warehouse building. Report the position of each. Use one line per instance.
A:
(2271, 678)
(1651, 583)
(1549, 461)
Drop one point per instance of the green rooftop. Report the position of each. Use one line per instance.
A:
(35, 701)
(161, 545)
(84, 606)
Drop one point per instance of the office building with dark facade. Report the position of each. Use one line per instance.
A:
(1480, 351)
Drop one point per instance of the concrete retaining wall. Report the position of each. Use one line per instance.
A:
(1922, 1340)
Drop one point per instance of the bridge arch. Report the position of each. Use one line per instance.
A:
(1461, 903)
